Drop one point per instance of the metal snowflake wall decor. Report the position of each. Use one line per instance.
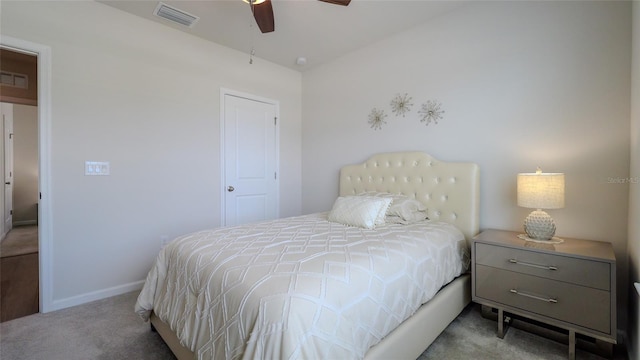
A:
(401, 104)
(376, 119)
(431, 111)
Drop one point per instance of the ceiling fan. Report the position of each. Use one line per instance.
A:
(263, 12)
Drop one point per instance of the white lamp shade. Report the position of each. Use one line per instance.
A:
(541, 190)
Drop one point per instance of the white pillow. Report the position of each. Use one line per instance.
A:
(403, 209)
(362, 211)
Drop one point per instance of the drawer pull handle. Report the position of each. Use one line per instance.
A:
(546, 267)
(549, 300)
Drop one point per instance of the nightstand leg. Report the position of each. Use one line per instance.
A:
(503, 324)
(572, 345)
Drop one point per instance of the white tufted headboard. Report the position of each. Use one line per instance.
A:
(451, 191)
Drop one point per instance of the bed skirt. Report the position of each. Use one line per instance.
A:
(407, 341)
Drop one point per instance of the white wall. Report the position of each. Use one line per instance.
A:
(146, 98)
(634, 192)
(25, 164)
(523, 84)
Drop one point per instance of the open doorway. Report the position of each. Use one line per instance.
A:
(19, 246)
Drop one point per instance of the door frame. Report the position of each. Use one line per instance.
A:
(45, 243)
(223, 93)
(8, 164)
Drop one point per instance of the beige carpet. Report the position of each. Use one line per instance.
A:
(20, 240)
(110, 330)
(107, 329)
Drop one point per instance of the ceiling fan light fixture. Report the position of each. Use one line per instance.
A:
(263, 14)
(254, 2)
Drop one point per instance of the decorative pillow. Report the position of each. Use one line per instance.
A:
(361, 211)
(403, 209)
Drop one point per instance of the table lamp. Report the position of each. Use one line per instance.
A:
(540, 191)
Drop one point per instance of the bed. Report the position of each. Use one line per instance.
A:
(198, 326)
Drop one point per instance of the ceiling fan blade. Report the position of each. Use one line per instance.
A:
(263, 13)
(337, 2)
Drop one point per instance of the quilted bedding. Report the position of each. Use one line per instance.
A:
(300, 287)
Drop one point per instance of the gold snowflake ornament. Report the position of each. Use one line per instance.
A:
(401, 104)
(431, 111)
(376, 119)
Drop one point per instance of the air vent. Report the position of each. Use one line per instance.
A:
(172, 14)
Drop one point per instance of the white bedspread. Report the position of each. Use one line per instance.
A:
(299, 287)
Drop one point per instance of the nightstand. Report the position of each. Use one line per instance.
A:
(571, 285)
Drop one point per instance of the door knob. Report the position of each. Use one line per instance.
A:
(230, 188)
(8, 183)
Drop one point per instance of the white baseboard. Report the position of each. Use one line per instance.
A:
(95, 295)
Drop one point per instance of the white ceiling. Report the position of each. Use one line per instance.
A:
(318, 31)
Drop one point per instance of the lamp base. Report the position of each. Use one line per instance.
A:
(539, 225)
(529, 241)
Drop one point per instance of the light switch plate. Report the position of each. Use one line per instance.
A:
(100, 168)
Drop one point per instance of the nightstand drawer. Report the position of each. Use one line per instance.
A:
(579, 305)
(584, 272)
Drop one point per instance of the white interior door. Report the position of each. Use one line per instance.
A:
(7, 124)
(250, 160)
